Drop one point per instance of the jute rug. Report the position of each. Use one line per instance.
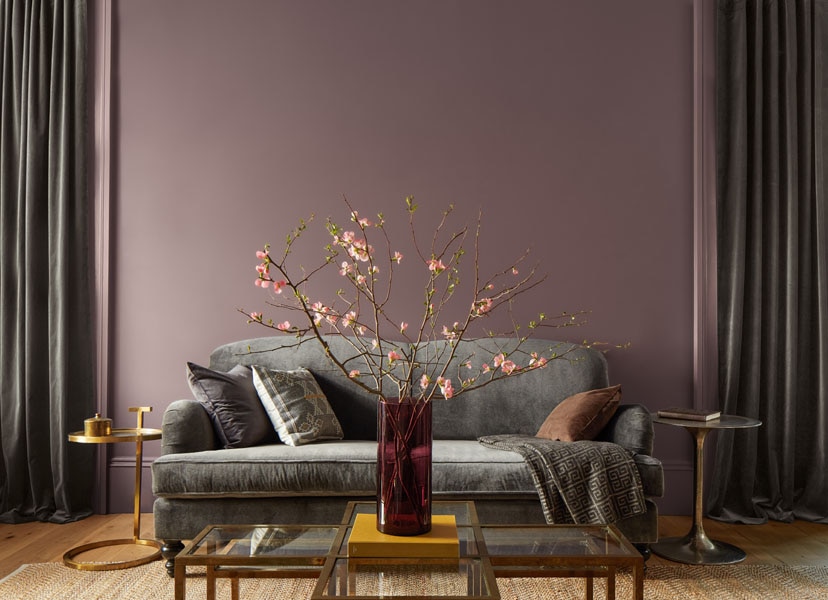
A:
(53, 581)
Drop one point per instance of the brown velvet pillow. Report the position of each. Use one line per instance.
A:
(582, 416)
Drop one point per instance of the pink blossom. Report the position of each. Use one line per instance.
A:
(514, 271)
(283, 326)
(508, 367)
(348, 237)
(451, 334)
(498, 360)
(256, 316)
(467, 364)
(436, 266)
(485, 368)
(360, 330)
(537, 362)
(262, 269)
(319, 311)
(262, 283)
(393, 355)
(353, 373)
(261, 255)
(360, 250)
(346, 268)
(278, 285)
(360, 279)
(445, 387)
(349, 319)
(424, 381)
(481, 307)
(403, 327)
(397, 258)
(363, 222)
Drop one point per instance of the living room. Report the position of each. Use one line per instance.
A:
(585, 131)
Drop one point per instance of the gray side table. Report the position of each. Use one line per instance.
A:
(696, 548)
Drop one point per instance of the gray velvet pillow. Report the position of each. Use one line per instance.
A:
(296, 405)
(238, 417)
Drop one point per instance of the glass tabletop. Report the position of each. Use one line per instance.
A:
(563, 540)
(262, 541)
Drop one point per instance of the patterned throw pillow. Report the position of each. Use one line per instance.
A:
(296, 405)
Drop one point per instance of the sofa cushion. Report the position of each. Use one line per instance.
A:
(581, 416)
(325, 468)
(237, 414)
(467, 468)
(296, 406)
(331, 468)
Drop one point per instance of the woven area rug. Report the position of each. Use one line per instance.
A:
(54, 581)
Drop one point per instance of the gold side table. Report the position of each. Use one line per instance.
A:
(696, 548)
(138, 435)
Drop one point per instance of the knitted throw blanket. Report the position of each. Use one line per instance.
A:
(583, 482)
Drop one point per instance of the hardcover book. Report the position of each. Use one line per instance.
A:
(691, 414)
(441, 542)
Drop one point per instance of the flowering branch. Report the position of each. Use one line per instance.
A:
(360, 314)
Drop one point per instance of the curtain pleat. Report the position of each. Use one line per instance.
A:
(46, 329)
(773, 333)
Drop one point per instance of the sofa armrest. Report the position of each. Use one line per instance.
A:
(630, 427)
(186, 427)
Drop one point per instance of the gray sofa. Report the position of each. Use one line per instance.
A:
(197, 482)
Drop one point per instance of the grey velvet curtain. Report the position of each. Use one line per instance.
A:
(46, 341)
(772, 153)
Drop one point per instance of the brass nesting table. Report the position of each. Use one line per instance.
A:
(486, 552)
(138, 435)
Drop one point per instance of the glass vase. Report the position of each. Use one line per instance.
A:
(403, 466)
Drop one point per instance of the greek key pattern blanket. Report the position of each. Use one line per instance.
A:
(583, 482)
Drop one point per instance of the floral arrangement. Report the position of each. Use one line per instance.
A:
(387, 357)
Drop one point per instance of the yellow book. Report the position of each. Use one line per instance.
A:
(440, 542)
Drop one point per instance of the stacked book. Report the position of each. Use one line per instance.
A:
(689, 414)
(441, 542)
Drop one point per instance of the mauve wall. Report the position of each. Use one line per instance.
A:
(569, 123)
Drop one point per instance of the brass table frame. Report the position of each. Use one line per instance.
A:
(139, 434)
(696, 548)
(608, 550)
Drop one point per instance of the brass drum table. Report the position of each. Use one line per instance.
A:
(138, 435)
(696, 548)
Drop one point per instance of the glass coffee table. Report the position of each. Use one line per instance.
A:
(486, 552)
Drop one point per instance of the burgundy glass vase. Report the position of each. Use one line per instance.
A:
(403, 466)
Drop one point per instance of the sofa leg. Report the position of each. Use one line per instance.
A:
(169, 551)
(644, 550)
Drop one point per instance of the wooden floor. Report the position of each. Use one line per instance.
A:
(798, 543)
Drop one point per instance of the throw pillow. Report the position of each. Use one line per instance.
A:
(296, 405)
(238, 417)
(582, 416)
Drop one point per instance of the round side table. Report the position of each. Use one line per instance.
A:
(138, 435)
(696, 548)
